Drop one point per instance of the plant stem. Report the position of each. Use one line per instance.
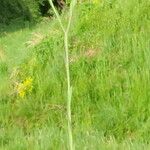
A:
(57, 15)
(69, 88)
(69, 91)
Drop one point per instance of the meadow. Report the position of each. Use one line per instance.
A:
(109, 56)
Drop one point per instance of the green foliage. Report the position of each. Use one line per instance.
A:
(12, 9)
(110, 73)
(3, 67)
(25, 9)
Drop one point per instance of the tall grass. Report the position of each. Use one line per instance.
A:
(109, 68)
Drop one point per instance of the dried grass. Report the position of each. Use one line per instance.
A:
(35, 40)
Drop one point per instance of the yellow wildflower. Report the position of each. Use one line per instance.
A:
(22, 93)
(25, 87)
(28, 83)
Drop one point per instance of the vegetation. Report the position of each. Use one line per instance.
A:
(26, 9)
(110, 75)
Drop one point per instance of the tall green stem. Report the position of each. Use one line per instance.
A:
(69, 92)
(69, 88)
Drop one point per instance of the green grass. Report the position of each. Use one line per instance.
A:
(110, 74)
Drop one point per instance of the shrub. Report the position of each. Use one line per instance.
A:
(11, 9)
(26, 9)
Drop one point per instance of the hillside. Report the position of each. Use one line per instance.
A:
(110, 74)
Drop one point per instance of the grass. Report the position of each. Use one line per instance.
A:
(110, 72)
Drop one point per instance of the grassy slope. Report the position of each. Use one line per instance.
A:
(109, 50)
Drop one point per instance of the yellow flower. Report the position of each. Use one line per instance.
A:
(25, 87)
(22, 94)
(28, 83)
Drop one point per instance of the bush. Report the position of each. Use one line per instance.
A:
(26, 9)
(12, 9)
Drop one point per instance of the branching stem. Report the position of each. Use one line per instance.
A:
(69, 88)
